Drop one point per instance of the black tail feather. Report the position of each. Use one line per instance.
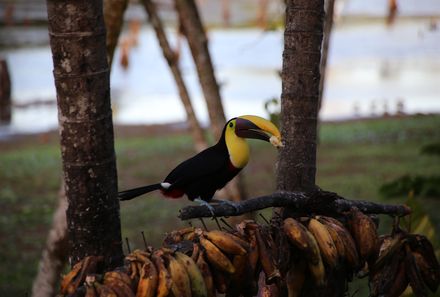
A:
(133, 193)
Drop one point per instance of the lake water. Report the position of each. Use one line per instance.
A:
(371, 68)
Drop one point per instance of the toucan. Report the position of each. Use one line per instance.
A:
(210, 170)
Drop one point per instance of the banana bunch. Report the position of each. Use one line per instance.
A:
(404, 259)
(217, 261)
(324, 242)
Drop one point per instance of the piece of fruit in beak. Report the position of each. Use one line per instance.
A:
(266, 127)
(275, 141)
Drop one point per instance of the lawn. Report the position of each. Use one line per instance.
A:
(354, 159)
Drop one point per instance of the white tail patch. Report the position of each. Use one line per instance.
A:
(165, 185)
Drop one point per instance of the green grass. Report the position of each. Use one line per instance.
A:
(354, 159)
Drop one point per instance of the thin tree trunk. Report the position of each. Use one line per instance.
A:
(198, 43)
(77, 39)
(328, 25)
(172, 60)
(55, 253)
(113, 17)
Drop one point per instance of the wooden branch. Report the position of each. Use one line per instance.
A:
(317, 202)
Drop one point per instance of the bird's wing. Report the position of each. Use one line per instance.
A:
(206, 163)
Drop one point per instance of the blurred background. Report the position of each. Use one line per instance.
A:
(379, 131)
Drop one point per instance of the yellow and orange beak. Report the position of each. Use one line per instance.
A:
(250, 126)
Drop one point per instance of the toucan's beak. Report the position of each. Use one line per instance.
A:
(250, 126)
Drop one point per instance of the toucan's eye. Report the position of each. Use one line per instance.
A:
(231, 124)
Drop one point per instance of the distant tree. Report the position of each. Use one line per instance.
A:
(81, 72)
(173, 62)
(55, 253)
(113, 17)
(198, 42)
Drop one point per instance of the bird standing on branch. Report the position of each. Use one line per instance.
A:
(210, 170)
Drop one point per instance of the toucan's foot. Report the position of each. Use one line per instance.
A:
(230, 203)
(209, 206)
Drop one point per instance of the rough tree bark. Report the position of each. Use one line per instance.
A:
(113, 17)
(299, 113)
(55, 253)
(81, 72)
(172, 60)
(300, 92)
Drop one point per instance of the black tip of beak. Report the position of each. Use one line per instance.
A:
(247, 129)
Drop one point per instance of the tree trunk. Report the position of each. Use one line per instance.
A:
(77, 39)
(172, 60)
(300, 92)
(328, 25)
(193, 29)
(299, 112)
(113, 17)
(54, 254)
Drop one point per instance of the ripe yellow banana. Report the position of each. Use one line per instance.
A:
(148, 281)
(198, 287)
(325, 242)
(164, 277)
(226, 242)
(216, 257)
(297, 233)
(300, 237)
(181, 286)
(206, 273)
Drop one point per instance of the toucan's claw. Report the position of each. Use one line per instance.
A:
(209, 206)
(227, 202)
